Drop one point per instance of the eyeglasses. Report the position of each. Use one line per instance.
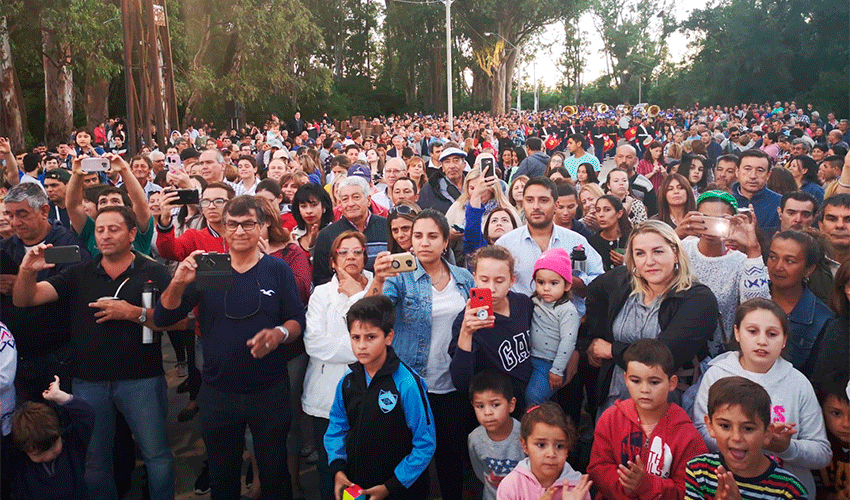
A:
(405, 210)
(357, 252)
(219, 202)
(247, 225)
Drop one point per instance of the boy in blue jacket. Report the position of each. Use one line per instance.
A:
(380, 402)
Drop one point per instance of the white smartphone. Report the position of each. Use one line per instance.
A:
(95, 164)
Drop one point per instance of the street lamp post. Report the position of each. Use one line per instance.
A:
(640, 80)
(449, 97)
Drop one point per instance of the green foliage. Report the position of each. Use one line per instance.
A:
(252, 49)
(768, 50)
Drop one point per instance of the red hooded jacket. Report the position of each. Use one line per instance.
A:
(619, 437)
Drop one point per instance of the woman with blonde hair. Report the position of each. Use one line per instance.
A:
(654, 295)
(492, 196)
(587, 197)
(515, 190)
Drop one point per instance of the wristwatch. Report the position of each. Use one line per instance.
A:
(143, 317)
(285, 332)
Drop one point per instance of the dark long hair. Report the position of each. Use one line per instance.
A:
(303, 195)
(687, 161)
(664, 206)
(623, 221)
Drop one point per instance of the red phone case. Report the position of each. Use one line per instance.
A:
(481, 297)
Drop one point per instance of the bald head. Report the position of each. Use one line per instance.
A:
(626, 158)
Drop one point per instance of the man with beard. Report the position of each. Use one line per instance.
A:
(527, 242)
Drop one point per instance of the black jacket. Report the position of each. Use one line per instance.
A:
(687, 319)
(39, 329)
(385, 419)
(432, 195)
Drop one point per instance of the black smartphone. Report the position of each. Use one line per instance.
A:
(188, 197)
(62, 255)
(213, 272)
(488, 167)
(457, 228)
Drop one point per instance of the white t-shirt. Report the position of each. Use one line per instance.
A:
(445, 306)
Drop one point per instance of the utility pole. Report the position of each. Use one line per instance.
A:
(449, 97)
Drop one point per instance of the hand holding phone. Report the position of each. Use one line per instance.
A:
(488, 167)
(95, 165)
(403, 262)
(481, 297)
(62, 255)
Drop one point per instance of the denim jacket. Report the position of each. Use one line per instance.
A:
(808, 320)
(411, 295)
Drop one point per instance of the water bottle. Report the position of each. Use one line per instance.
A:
(579, 259)
(148, 292)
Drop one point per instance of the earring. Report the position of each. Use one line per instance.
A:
(676, 267)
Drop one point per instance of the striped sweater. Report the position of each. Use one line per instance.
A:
(774, 483)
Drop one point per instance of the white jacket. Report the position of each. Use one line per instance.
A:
(328, 345)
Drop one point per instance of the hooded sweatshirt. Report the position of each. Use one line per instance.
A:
(792, 400)
(619, 437)
(521, 484)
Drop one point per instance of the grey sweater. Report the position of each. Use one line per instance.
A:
(493, 460)
(792, 400)
(554, 330)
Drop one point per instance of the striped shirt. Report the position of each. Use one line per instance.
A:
(774, 483)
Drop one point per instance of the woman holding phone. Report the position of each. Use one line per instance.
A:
(427, 300)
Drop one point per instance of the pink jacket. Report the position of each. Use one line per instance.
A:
(521, 484)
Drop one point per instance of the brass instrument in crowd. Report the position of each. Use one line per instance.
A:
(627, 108)
(653, 111)
(570, 110)
(600, 107)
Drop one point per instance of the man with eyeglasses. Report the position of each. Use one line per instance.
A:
(245, 379)
(208, 239)
(731, 144)
(113, 366)
(394, 169)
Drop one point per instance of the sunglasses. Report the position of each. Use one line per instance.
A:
(405, 210)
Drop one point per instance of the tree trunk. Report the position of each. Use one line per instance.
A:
(497, 94)
(510, 66)
(97, 99)
(479, 88)
(58, 90)
(12, 114)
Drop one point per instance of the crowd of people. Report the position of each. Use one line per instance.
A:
(487, 298)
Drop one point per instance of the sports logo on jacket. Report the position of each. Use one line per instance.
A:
(387, 401)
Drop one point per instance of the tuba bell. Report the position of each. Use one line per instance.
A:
(570, 110)
(653, 111)
(600, 107)
(627, 108)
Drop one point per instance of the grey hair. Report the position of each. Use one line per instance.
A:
(29, 192)
(356, 180)
(802, 141)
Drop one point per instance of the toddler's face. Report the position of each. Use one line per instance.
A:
(836, 415)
